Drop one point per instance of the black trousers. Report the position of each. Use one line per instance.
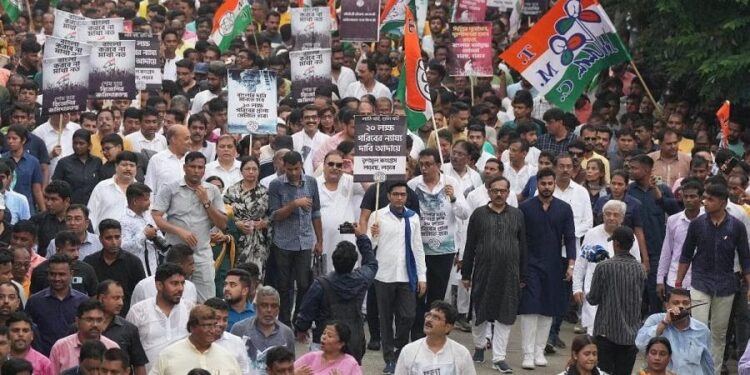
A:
(396, 304)
(373, 317)
(438, 277)
(292, 267)
(615, 359)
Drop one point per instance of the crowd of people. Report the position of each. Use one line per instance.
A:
(139, 236)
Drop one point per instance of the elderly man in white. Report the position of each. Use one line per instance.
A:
(595, 248)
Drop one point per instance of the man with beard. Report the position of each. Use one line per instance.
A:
(181, 255)
(493, 263)
(549, 224)
(310, 139)
(458, 120)
(152, 315)
(89, 321)
(217, 73)
(84, 276)
(21, 335)
(367, 84)
(111, 295)
(186, 78)
(237, 287)
(228, 341)
(264, 331)
(108, 200)
(341, 76)
(10, 301)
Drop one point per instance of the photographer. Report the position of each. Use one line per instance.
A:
(689, 337)
(139, 234)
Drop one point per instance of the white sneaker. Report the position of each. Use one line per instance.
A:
(528, 362)
(540, 361)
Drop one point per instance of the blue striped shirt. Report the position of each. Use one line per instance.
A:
(296, 231)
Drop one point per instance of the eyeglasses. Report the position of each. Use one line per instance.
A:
(335, 165)
(576, 154)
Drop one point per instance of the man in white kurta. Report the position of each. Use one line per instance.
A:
(108, 200)
(309, 139)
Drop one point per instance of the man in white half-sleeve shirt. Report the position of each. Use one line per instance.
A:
(50, 133)
(166, 166)
(148, 137)
(367, 83)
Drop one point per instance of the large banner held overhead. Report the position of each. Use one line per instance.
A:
(65, 84)
(380, 148)
(59, 47)
(252, 97)
(311, 28)
(359, 20)
(310, 70)
(470, 11)
(66, 24)
(112, 70)
(147, 67)
(471, 52)
(106, 29)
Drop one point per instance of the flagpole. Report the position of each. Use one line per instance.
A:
(437, 139)
(657, 107)
(471, 84)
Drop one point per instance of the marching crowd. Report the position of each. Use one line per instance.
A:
(139, 236)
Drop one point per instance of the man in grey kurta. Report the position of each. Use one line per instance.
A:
(494, 257)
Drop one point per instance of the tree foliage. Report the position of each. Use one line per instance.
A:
(703, 45)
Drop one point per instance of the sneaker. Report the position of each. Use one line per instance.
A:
(559, 343)
(390, 368)
(549, 349)
(373, 345)
(528, 362)
(540, 361)
(478, 355)
(463, 325)
(503, 367)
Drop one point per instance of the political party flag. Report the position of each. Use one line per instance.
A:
(563, 52)
(723, 116)
(394, 12)
(230, 20)
(413, 90)
(12, 8)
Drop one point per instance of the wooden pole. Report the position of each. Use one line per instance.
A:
(377, 200)
(471, 84)
(250, 145)
(59, 129)
(657, 107)
(437, 139)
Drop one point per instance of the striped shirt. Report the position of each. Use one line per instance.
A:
(616, 288)
(296, 231)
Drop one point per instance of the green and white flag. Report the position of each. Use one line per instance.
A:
(230, 21)
(12, 8)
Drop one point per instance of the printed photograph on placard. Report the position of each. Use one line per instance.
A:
(252, 97)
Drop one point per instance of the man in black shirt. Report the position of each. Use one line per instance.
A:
(30, 59)
(81, 169)
(84, 276)
(114, 263)
(110, 293)
(52, 221)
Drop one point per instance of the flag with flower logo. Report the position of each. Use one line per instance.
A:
(563, 52)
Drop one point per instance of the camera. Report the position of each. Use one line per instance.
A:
(346, 228)
(160, 243)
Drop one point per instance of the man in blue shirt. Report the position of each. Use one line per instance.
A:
(712, 241)
(297, 230)
(689, 337)
(237, 292)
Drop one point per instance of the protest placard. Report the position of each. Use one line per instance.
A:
(534, 7)
(311, 28)
(501, 5)
(66, 24)
(470, 11)
(471, 52)
(58, 47)
(359, 20)
(380, 148)
(112, 70)
(310, 70)
(147, 67)
(65, 83)
(106, 29)
(252, 97)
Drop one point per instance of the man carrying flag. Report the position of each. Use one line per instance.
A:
(566, 49)
(230, 20)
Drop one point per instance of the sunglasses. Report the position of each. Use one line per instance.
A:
(335, 165)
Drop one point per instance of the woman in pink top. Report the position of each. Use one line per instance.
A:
(334, 357)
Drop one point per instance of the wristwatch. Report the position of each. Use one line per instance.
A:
(206, 205)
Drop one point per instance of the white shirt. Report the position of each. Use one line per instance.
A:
(417, 146)
(469, 181)
(200, 99)
(49, 136)
(107, 201)
(209, 151)
(532, 157)
(134, 240)
(157, 330)
(480, 197)
(578, 198)
(357, 90)
(307, 147)
(181, 357)
(336, 207)
(163, 168)
(146, 289)
(518, 179)
(417, 358)
(266, 181)
(139, 142)
(391, 243)
(483, 160)
(170, 69)
(228, 177)
(88, 247)
(235, 345)
(346, 78)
